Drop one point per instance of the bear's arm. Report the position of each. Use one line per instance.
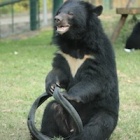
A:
(55, 77)
(93, 84)
(85, 91)
(58, 75)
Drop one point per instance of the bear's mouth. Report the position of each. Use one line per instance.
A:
(61, 29)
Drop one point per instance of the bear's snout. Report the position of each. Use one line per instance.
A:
(61, 23)
(58, 19)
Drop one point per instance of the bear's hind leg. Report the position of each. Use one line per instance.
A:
(54, 121)
(100, 127)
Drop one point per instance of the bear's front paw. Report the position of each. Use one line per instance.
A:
(50, 88)
(73, 98)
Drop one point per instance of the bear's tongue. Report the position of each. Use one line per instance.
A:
(62, 29)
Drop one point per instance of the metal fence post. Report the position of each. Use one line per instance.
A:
(34, 11)
(12, 14)
(45, 18)
(56, 5)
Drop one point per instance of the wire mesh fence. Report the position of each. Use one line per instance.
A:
(15, 15)
(12, 21)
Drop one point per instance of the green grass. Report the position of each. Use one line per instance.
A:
(25, 62)
(22, 78)
(129, 85)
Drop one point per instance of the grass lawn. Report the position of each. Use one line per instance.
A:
(25, 62)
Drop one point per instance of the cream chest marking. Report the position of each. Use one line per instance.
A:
(74, 63)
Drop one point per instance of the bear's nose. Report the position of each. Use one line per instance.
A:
(58, 19)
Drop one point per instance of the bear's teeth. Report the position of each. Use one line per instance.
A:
(62, 30)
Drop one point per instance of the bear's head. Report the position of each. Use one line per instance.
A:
(74, 17)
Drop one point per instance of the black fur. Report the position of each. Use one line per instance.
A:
(133, 41)
(93, 90)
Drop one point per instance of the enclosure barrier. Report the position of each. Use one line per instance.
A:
(10, 25)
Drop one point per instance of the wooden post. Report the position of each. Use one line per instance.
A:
(121, 21)
(118, 27)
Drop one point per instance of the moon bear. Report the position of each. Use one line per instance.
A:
(84, 66)
(133, 41)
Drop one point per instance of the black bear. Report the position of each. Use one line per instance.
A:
(85, 68)
(133, 41)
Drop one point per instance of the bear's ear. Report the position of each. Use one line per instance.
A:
(98, 10)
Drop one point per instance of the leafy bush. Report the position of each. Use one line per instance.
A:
(23, 6)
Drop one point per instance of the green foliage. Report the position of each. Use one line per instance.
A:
(23, 6)
(5, 9)
(125, 32)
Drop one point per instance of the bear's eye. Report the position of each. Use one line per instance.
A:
(70, 13)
